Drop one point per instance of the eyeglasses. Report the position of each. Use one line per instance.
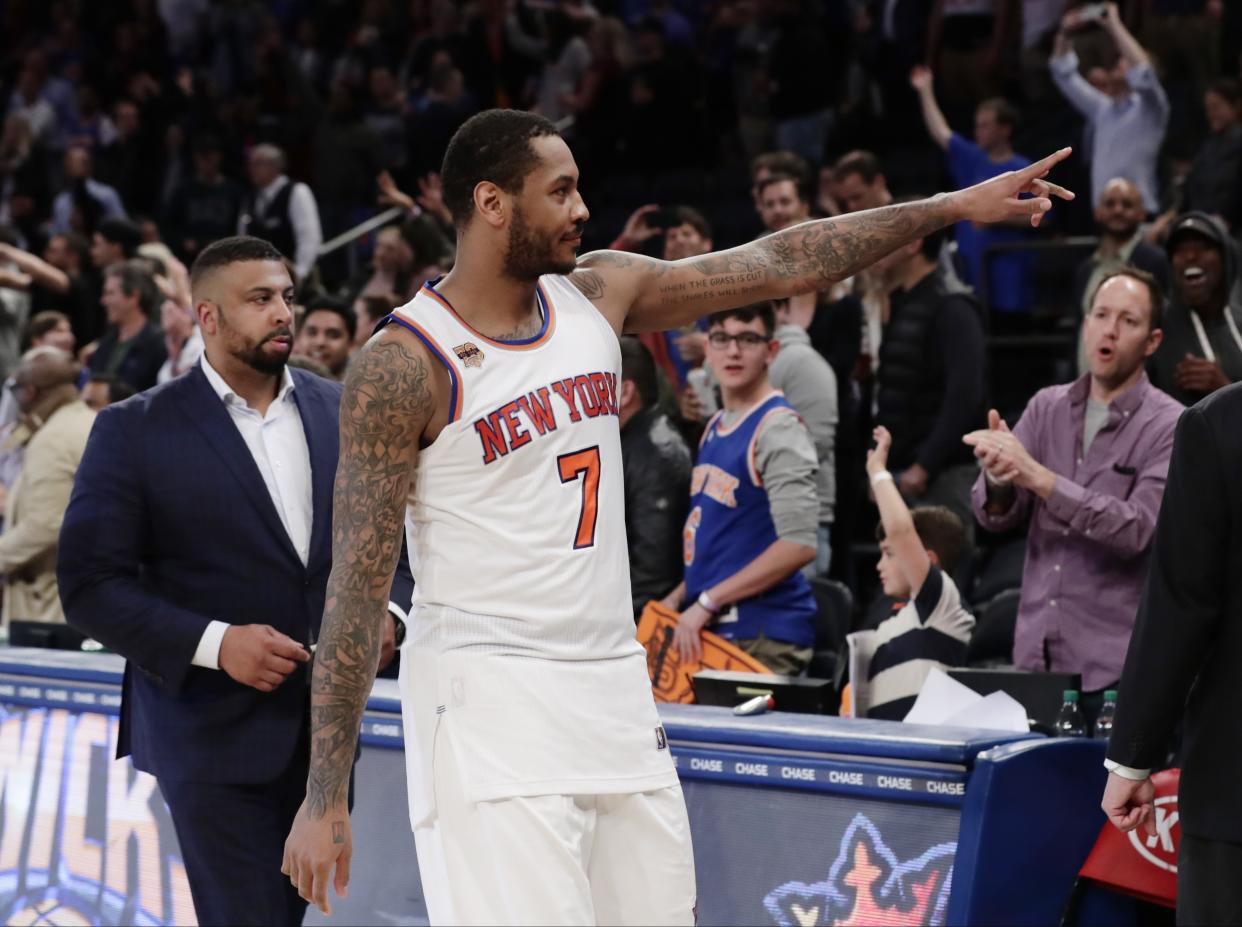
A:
(721, 340)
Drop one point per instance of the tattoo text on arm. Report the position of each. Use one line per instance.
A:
(386, 404)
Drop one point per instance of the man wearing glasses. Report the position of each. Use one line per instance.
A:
(753, 508)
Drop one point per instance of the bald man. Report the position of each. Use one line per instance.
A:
(1119, 218)
(52, 435)
(280, 210)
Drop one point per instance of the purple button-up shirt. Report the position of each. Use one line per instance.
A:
(1086, 552)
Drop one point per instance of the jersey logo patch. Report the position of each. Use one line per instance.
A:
(469, 354)
(661, 738)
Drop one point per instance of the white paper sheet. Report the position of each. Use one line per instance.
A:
(947, 702)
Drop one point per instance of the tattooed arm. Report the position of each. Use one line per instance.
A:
(389, 399)
(637, 293)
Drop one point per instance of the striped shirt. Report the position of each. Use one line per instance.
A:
(931, 630)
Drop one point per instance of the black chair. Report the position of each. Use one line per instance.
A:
(834, 611)
(1001, 570)
(992, 642)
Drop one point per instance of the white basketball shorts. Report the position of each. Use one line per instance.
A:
(554, 859)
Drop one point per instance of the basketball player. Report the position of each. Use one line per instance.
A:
(485, 413)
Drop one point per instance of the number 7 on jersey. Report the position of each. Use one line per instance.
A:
(584, 464)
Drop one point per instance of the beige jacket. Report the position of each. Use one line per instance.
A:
(34, 511)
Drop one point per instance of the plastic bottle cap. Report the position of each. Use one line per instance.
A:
(1110, 695)
(1070, 695)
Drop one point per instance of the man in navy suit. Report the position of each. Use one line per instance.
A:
(197, 545)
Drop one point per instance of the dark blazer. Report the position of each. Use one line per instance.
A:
(1185, 655)
(171, 526)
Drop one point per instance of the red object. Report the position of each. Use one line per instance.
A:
(658, 347)
(1136, 864)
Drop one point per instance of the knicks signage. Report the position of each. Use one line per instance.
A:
(516, 423)
(84, 838)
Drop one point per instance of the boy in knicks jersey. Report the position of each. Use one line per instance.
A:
(918, 549)
(483, 417)
(753, 508)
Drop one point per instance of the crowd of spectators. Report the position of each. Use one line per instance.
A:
(137, 132)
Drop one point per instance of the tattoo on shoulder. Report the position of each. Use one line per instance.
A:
(589, 283)
(387, 402)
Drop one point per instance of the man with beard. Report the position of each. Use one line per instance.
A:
(1085, 469)
(1202, 348)
(485, 415)
(196, 544)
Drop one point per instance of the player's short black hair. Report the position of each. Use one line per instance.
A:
(235, 249)
(339, 307)
(940, 531)
(761, 311)
(638, 366)
(493, 145)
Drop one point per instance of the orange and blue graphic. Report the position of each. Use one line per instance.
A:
(868, 885)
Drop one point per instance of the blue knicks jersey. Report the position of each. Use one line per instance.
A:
(730, 524)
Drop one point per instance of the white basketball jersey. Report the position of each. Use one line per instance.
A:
(516, 524)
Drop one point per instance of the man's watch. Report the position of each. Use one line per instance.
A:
(398, 629)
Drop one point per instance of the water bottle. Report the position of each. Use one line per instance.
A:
(1104, 723)
(1069, 721)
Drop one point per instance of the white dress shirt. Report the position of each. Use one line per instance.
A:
(303, 216)
(277, 442)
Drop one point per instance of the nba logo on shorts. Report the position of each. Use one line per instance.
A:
(661, 739)
(469, 354)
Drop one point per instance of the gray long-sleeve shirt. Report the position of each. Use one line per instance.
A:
(810, 386)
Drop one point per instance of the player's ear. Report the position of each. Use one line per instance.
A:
(491, 203)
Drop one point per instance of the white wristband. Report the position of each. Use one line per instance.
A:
(705, 601)
(880, 477)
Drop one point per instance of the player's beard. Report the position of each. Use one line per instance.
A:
(530, 255)
(252, 354)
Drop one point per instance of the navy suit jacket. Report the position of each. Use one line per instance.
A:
(171, 526)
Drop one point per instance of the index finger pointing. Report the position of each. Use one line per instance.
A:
(1043, 166)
